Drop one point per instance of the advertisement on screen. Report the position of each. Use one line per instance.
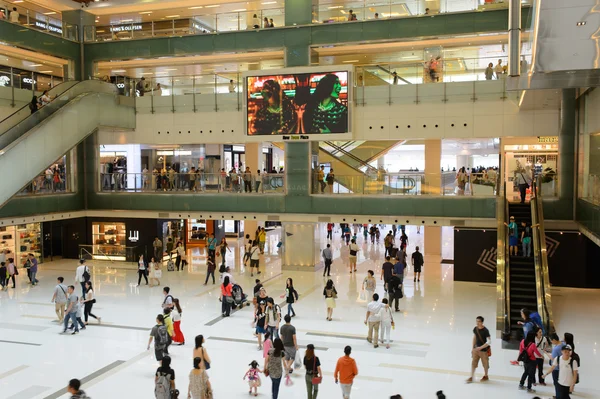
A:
(298, 103)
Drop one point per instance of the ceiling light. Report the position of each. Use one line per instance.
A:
(213, 6)
(146, 73)
(581, 23)
(126, 20)
(350, 61)
(118, 70)
(171, 69)
(334, 7)
(50, 13)
(146, 12)
(195, 8)
(36, 65)
(239, 10)
(46, 71)
(17, 1)
(269, 2)
(171, 16)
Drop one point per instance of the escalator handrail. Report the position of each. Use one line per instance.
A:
(57, 90)
(14, 133)
(543, 270)
(352, 156)
(502, 263)
(390, 73)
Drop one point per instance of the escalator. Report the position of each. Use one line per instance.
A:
(360, 154)
(31, 142)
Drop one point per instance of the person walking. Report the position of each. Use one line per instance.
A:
(481, 349)
(199, 386)
(273, 366)
(545, 348)
(394, 290)
(155, 272)
(253, 376)
(387, 322)
(417, 263)
(353, 252)
(568, 370)
(330, 231)
(247, 248)
(181, 259)
(210, 269)
(160, 335)
(373, 320)
(290, 345)
(313, 376)
(164, 380)
(369, 284)
(273, 319)
(291, 296)
(74, 388)
(82, 274)
(523, 178)
(211, 244)
(327, 259)
(223, 247)
(247, 177)
(387, 270)
(142, 270)
(168, 298)
(60, 299)
(226, 297)
(489, 71)
(388, 242)
(200, 351)
(254, 258)
(33, 269)
(88, 303)
(178, 337)
(12, 271)
(157, 245)
(345, 372)
(330, 294)
(260, 317)
(262, 239)
(3, 276)
(71, 312)
(528, 352)
(330, 179)
(526, 238)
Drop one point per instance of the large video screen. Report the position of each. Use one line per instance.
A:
(301, 103)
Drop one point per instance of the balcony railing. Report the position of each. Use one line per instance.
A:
(593, 189)
(255, 19)
(52, 25)
(49, 184)
(188, 183)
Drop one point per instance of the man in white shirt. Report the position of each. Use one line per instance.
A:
(254, 259)
(373, 320)
(567, 372)
(499, 69)
(81, 269)
(227, 274)
(14, 16)
(231, 86)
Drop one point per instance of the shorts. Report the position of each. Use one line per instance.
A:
(159, 353)
(260, 330)
(417, 269)
(513, 241)
(346, 388)
(254, 263)
(485, 360)
(352, 258)
(290, 352)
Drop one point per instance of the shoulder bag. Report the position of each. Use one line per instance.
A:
(489, 348)
(206, 364)
(316, 380)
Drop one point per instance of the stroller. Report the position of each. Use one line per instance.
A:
(239, 298)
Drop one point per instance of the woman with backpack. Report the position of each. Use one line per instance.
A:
(528, 352)
(330, 294)
(164, 380)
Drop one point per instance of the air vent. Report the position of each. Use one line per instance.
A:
(272, 218)
(163, 215)
(458, 222)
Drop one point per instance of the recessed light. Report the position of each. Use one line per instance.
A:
(171, 16)
(213, 6)
(171, 69)
(146, 12)
(581, 23)
(147, 73)
(118, 70)
(46, 71)
(195, 8)
(269, 2)
(36, 65)
(126, 20)
(239, 10)
(50, 13)
(350, 61)
(334, 7)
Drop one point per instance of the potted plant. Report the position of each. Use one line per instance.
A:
(481, 186)
(548, 177)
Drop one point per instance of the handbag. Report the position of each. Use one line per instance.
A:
(158, 273)
(489, 348)
(525, 180)
(206, 364)
(316, 380)
(352, 253)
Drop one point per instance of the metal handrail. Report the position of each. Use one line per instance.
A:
(81, 251)
(502, 265)
(544, 296)
(361, 162)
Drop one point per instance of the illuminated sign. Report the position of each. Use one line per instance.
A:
(4, 80)
(134, 236)
(121, 85)
(125, 28)
(51, 28)
(29, 81)
(547, 139)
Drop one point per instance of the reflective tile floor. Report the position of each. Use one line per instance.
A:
(430, 349)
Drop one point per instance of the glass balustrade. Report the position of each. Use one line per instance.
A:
(593, 189)
(49, 183)
(41, 19)
(191, 183)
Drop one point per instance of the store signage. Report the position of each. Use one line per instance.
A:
(51, 28)
(121, 85)
(4, 80)
(547, 139)
(134, 236)
(301, 137)
(125, 28)
(29, 81)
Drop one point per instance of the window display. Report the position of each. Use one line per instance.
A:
(22, 240)
(109, 240)
(196, 231)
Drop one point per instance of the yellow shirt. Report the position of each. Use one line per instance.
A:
(169, 325)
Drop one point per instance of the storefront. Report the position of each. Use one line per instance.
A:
(234, 228)
(22, 240)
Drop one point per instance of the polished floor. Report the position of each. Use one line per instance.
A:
(430, 352)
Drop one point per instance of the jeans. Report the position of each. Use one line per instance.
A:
(291, 309)
(539, 363)
(386, 330)
(87, 311)
(311, 390)
(225, 306)
(373, 334)
(140, 274)
(528, 373)
(274, 332)
(275, 387)
(523, 191)
(256, 186)
(208, 275)
(82, 290)
(34, 281)
(555, 380)
(526, 248)
(73, 317)
(323, 185)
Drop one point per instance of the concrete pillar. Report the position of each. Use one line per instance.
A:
(297, 168)
(299, 251)
(250, 227)
(566, 145)
(433, 173)
(81, 19)
(433, 244)
(514, 38)
(253, 156)
(298, 12)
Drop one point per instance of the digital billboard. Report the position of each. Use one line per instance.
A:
(298, 103)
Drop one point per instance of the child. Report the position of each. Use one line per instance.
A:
(253, 377)
(3, 276)
(267, 344)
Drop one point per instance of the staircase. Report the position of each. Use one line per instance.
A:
(522, 276)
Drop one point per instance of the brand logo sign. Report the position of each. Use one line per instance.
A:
(487, 259)
(4, 80)
(124, 28)
(134, 236)
(51, 28)
(29, 81)
(121, 85)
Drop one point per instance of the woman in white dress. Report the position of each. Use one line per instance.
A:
(155, 273)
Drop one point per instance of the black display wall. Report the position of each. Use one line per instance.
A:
(475, 255)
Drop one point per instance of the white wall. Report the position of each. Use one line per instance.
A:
(414, 112)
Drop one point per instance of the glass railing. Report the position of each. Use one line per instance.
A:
(46, 20)
(193, 25)
(49, 183)
(275, 18)
(188, 183)
(593, 189)
(370, 184)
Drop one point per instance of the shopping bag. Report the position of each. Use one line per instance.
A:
(158, 273)
(298, 360)
(363, 296)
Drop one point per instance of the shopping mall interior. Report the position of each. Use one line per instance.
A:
(134, 136)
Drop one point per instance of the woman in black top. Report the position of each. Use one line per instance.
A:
(276, 114)
(291, 296)
(165, 369)
(313, 370)
(326, 114)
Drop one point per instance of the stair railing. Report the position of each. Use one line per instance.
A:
(502, 265)
(362, 163)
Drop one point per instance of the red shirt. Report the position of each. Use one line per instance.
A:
(226, 291)
(532, 350)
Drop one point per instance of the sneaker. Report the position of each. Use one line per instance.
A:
(484, 378)
(369, 341)
(469, 380)
(75, 332)
(375, 346)
(521, 387)
(530, 390)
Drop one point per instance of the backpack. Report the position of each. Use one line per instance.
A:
(162, 337)
(524, 356)
(527, 231)
(222, 269)
(162, 387)
(86, 275)
(388, 241)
